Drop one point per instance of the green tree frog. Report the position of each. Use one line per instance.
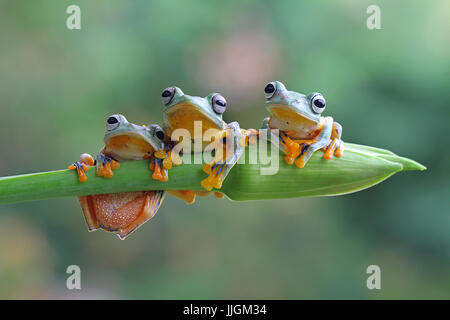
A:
(302, 129)
(182, 111)
(123, 212)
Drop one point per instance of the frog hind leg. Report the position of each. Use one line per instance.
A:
(82, 165)
(122, 212)
(105, 165)
(187, 195)
(153, 200)
(88, 208)
(221, 165)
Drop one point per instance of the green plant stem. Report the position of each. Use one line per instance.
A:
(359, 168)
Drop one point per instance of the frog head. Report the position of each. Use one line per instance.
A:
(292, 107)
(128, 141)
(181, 110)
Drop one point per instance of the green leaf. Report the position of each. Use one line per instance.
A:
(361, 167)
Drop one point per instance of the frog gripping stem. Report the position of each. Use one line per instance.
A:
(106, 165)
(160, 165)
(82, 166)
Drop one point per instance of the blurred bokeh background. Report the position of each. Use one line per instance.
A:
(389, 88)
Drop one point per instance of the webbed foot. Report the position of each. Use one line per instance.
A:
(82, 166)
(187, 195)
(336, 147)
(228, 152)
(159, 171)
(296, 148)
(106, 165)
(216, 175)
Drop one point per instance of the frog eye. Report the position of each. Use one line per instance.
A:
(156, 131)
(318, 103)
(159, 133)
(167, 95)
(219, 104)
(112, 122)
(270, 89)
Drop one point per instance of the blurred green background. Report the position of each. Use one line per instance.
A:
(389, 88)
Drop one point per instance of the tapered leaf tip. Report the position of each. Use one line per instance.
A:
(407, 164)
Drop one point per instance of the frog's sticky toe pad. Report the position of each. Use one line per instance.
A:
(187, 195)
(105, 170)
(207, 168)
(81, 169)
(207, 184)
(159, 175)
(213, 181)
(339, 152)
(330, 149)
(289, 159)
(300, 162)
(167, 163)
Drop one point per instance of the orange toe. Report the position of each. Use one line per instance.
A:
(159, 174)
(114, 165)
(81, 176)
(329, 153)
(339, 152)
(219, 195)
(300, 162)
(289, 159)
(206, 168)
(108, 171)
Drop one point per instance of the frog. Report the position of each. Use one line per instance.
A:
(122, 213)
(302, 130)
(181, 111)
(125, 141)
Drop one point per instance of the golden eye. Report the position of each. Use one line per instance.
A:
(318, 103)
(219, 104)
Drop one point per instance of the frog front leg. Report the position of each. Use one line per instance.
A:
(289, 147)
(106, 164)
(319, 142)
(232, 146)
(160, 164)
(82, 165)
(336, 145)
